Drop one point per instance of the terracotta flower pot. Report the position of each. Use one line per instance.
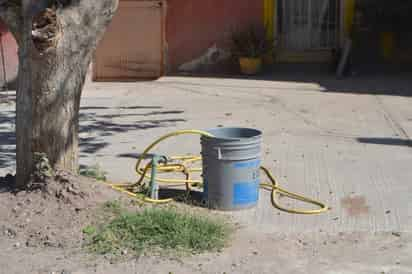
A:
(250, 66)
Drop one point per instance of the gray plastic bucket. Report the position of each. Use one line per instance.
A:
(231, 163)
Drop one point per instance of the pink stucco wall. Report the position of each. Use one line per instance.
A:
(193, 26)
(10, 54)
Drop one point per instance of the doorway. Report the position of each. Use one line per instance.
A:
(308, 24)
(133, 45)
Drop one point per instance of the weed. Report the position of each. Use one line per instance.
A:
(94, 172)
(113, 207)
(89, 230)
(160, 229)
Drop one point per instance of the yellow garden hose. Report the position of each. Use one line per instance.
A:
(183, 168)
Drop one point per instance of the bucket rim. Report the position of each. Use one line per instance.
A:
(258, 132)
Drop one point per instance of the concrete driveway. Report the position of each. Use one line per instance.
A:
(344, 142)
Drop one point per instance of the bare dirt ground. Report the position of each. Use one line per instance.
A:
(250, 252)
(51, 217)
(41, 232)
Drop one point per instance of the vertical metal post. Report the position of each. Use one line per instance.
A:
(154, 186)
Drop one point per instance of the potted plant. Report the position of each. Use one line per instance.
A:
(250, 46)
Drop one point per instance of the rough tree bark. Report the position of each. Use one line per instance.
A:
(56, 41)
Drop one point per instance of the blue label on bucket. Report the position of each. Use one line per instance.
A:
(245, 192)
(248, 164)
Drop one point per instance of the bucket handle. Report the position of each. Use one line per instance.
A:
(220, 156)
(219, 153)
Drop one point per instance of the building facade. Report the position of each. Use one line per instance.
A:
(150, 38)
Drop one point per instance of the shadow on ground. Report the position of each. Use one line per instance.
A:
(135, 155)
(7, 139)
(194, 197)
(95, 124)
(386, 141)
(368, 79)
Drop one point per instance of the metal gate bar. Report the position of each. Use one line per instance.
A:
(310, 24)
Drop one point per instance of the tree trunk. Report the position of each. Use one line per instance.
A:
(48, 101)
(56, 44)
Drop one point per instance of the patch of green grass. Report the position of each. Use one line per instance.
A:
(113, 206)
(160, 229)
(89, 230)
(94, 172)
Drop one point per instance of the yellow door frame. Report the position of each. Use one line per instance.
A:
(269, 17)
(349, 16)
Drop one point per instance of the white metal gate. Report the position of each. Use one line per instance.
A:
(309, 24)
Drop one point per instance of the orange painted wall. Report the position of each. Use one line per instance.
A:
(193, 26)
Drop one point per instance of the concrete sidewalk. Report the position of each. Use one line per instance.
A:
(343, 142)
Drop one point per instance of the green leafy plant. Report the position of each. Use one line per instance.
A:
(94, 172)
(159, 229)
(251, 42)
(89, 230)
(42, 168)
(113, 206)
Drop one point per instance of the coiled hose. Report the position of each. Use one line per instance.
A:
(183, 167)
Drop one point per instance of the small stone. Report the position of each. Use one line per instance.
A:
(387, 212)
(124, 252)
(9, 233)
(255, 253)
(302, 242)
(396, 234)
(17, 245)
